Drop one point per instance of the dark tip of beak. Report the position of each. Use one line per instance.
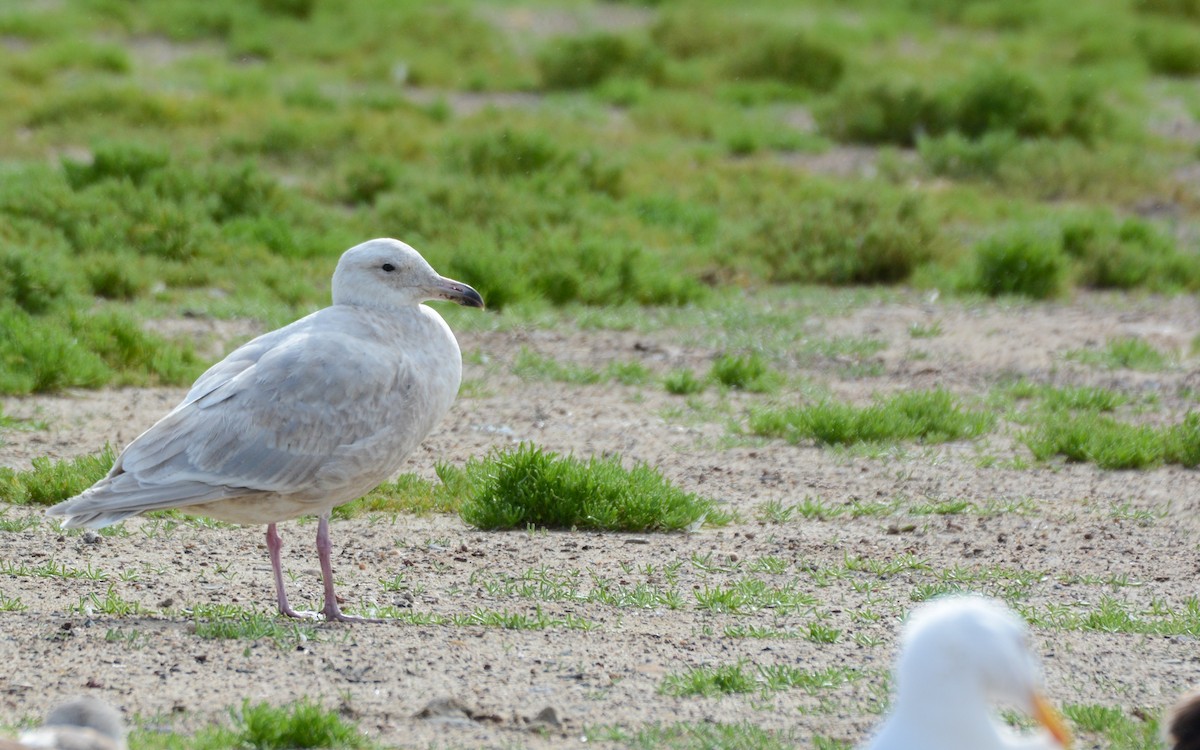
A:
(471, 298)
(456, 291)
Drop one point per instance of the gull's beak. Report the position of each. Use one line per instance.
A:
(456, 291)
(1049, 717)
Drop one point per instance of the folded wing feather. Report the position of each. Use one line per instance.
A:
(272, 418)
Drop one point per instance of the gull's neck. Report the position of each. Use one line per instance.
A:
(955, 712)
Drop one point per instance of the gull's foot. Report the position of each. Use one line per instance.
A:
(333, 614)
(303, 614)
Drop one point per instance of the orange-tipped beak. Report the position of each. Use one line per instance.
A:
(1049, 717)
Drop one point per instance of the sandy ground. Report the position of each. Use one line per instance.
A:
(1052, 535)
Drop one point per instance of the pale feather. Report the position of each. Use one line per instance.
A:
(298, 420)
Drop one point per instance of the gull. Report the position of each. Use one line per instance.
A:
(79, 724)
(959, 655)
(1183, 726)
(304, 418)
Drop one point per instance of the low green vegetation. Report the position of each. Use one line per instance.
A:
(646, 164)
(1124, 353)
(682, 382)
(1113, 615)
(261, 726)
(408, 493)
(1111, 444)
(112, 604)
(706, 681)
(929, 416)
(526, 486)
(744, 677)
(748, 372)
(231, 622)
(1023, 263)
(751, 594)
(545, 584)
(989, 99)
(51, 481)
(1120, 729)
(1068, 398)
(707, 735)
(505, 619)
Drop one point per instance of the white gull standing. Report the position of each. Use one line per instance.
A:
(303, 418)
(959, 656)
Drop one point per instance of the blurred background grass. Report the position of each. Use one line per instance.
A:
(173, 159)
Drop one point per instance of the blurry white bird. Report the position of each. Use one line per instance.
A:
(80, 724)
(959, 656)
(303, 418)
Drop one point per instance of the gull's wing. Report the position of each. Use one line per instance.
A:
(275, 419)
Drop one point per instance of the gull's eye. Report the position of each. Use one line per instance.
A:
(388, 267)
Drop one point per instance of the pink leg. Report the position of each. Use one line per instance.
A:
(324, 550)
(274, 545)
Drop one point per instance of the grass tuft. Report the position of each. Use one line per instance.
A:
(745, 373)
(1110, 444)
(1127, 353)
(303, 724)
(790, 58)
(51, 481)
(585, 61)
(683, 382)
(840, 236)
(706, 681)
(1023, 262)
(524, 486)
(989, 100)
(408, 493)
(930, 416)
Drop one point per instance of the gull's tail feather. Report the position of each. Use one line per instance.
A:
(116, 498)
(94, 520)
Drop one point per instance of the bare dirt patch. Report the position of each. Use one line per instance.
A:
(1055, 536)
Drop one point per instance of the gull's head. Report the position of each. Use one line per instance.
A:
(389, 273)
(972, 646)
(1183, 726)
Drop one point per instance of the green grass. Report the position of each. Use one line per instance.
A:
(230, 622)
(112, 604)
(505, 619)
(643, 167)
(260, 726)
(530, 365)
(1120, 729)
(683, 382)
(743, 677)
(12, 604)
(548, 585)
(1083, 398)
(52, 569)
(923, 331)
(706, 735)
(51, 481)
(751, 595)
(526, 486)
(707, 681)
(929, 416)
(408, 493)
(1111, 444)
(1023, 262)
(1112, 615)
(16, 525)
(303, 724)
(748, 372)
(1124, 353)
